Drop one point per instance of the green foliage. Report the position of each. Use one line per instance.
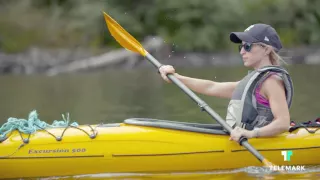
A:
(202, 25)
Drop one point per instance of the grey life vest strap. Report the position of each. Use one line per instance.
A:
(286, 80)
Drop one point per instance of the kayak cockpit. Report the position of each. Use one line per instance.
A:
(208, 128)
(176, 125)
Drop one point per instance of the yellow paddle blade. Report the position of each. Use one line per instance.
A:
(123, 37)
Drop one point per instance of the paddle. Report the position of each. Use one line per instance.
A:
(130, 43)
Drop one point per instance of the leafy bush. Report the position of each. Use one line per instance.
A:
(201, 25)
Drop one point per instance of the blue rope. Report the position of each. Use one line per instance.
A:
(31, 125)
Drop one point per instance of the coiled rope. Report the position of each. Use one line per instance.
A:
(32, 124)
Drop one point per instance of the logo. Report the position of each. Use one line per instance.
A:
(287, 168)
(286, 155)
(249, 28)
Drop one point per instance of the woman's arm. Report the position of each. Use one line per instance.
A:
(274, 91)
(208, 87)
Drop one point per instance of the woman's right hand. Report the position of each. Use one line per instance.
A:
(164, 70)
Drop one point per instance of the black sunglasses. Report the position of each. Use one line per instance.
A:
(248, 46)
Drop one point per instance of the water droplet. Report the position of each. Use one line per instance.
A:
(184, 57)
(169, 55)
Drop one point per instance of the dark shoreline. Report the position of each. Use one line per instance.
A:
(42, 61)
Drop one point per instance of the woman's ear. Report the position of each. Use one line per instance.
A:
(268, 50)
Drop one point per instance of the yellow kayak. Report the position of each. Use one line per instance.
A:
(145, 146)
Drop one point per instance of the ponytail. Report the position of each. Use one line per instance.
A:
(275, 58)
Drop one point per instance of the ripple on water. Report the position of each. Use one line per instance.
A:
(250, 173)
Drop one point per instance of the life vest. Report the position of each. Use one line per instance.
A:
(244, 110)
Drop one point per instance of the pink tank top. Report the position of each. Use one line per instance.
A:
(260, 99)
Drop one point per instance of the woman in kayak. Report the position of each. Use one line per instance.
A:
(259, 103)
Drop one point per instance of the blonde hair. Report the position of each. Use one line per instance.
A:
(274, 57)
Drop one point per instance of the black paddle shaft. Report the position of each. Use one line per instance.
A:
(205, 107)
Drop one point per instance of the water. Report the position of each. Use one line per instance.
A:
(113, 96)
(249, 173)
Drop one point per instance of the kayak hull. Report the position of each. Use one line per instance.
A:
(132, 147)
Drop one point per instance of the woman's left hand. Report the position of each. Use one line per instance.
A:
(237, 132)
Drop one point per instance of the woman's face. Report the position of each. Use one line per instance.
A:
(252, 54)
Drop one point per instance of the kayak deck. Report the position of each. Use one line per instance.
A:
(145, 145)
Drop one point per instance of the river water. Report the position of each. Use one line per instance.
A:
(115, 95)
